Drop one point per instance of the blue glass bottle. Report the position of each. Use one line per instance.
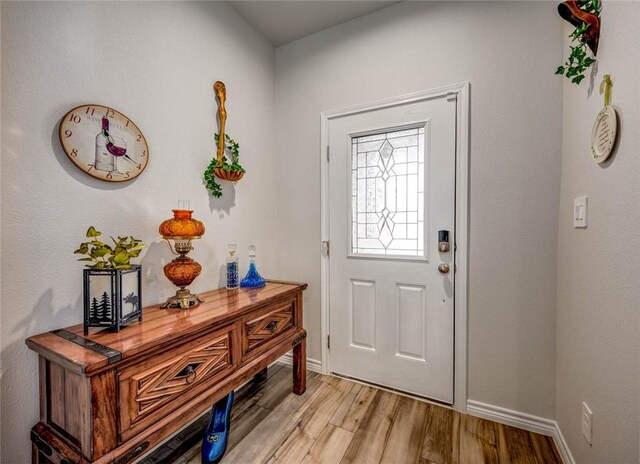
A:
(232, 267)
(216, 435)
(253, 279)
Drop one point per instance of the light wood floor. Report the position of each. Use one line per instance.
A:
(339, 422)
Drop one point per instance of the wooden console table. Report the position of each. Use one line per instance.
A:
(111, 397)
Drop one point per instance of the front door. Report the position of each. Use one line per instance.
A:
(392, 198)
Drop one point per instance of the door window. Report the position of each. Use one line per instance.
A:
(388, 193)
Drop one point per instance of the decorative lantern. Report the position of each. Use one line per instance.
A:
(182, 229)
(112, 297)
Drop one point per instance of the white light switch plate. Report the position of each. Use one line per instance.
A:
(580, 212)
(587, 422)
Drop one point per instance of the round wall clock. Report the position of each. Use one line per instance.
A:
(104, 143)
(603, 135)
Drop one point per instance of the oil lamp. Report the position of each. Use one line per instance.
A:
(181, 230)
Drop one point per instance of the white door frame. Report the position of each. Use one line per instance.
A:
(461, 93)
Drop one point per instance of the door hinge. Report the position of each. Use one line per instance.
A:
(327, 153)
(328, 342)
(326, 246)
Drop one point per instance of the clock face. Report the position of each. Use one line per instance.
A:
(104, 143)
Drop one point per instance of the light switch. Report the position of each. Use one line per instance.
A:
(587, 423)
(580, 212)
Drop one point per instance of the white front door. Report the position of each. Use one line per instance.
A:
(392, 190)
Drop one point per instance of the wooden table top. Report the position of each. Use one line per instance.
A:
(158, 326)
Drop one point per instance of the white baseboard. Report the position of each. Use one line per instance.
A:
(563, 447)
(312, 364)
(523, 421)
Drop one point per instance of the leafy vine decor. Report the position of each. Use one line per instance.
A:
(585, 16)
(222, 166)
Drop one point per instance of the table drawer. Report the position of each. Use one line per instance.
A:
(267, 326)
(172, 378)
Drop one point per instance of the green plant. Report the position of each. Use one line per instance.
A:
(231, 163)
(105, 256)
(578, 61)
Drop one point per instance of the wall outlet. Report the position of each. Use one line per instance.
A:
(587, 422)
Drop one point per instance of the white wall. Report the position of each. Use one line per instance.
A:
(508, 51)
(598, 343)
(155, 62)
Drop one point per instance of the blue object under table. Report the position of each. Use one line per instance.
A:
(216, 435)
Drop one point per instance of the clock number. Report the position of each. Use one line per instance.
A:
(90, 167)
(75, 118)
(139, 166)
(110, 113)
(74, 152)
(127, 124)
(144, 153)
(90, 109)
(139, 137)
(68, 133)
(126, 175)
(109, 176)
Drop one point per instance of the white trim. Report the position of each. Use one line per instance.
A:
(563, 447)
(312, 364)
(461, 93)
(523, 421)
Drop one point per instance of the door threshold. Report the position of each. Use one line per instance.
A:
(397, 391)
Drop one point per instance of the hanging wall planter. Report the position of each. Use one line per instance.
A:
(585, 16)
(226, 164)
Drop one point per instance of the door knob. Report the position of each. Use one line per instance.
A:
(443, 268)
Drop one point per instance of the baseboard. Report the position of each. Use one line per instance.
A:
(563, 447)
(523, 421)
(312, 364)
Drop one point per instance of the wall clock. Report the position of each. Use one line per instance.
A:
(104, 143)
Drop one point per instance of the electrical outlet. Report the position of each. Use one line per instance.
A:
(587, 422)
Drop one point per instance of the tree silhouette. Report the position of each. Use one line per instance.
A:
(104, 310)
(94, 308)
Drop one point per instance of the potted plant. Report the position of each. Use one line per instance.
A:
(225, 168)
(112, 285)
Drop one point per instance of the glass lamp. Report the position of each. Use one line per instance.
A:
(181, 230)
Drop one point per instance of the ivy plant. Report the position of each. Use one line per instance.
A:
(579, 61)
(228, 163)
(104, 256)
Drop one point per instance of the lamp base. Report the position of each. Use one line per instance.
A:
(183, 299)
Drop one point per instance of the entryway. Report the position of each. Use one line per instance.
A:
(391, 222)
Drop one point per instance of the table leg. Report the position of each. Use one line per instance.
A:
(300, 367)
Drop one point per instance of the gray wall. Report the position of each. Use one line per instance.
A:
(155, 62)
(508, 51)
(598, 341)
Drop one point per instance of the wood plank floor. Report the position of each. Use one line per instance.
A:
(342, 422)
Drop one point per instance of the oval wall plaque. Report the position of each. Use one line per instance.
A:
(603, 135)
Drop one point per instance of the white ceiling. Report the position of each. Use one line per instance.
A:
(282, 22)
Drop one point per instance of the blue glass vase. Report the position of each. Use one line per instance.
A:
(253, 279)
(217, 433)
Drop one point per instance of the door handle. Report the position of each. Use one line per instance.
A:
(443, 268)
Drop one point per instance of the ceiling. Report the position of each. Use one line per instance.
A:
(282, 22)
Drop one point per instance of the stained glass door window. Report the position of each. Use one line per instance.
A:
(387, 185)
